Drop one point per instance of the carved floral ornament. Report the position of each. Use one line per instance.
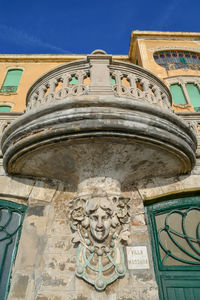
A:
(100, 224)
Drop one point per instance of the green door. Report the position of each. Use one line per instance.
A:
(174, 226)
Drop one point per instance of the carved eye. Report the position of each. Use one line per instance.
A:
(105, 217)
(94, 218)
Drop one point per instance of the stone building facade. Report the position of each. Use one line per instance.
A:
(99, 186)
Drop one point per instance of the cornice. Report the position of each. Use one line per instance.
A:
(165, 34)
(49, 58)
(175, 48)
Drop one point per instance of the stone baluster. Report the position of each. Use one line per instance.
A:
(133, 87)
(80, 74)
(32, 103)
(66, 78)
(52, 86)
(41, 92)
(132, 79)
(157, 94)
(146, 89)
(118, 79)
(100, 73)
(166, 101)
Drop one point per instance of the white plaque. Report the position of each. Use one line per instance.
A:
(137, 258)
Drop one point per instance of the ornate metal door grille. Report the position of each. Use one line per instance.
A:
(11, 218)
(174, 226)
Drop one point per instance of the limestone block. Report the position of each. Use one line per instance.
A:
(159, 187)
(19, 287)
(42, 191)
(16, 187)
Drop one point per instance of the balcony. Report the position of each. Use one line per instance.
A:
(98, 118)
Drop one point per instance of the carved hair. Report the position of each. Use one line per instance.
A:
(93, 204)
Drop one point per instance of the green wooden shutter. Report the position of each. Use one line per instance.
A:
(177, 94)
(12, 80)
(194, 95)
(5, 108)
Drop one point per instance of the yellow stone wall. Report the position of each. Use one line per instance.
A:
(144, 44)
(33, 67)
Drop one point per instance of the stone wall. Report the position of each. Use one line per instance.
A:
(45, 265)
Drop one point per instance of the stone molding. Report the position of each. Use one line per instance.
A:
(197, 50)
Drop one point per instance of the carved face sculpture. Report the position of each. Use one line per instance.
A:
(100, 223)
(99, 212)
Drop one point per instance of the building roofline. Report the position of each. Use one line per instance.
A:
(137, 34)
(59, 58)
(146, 33)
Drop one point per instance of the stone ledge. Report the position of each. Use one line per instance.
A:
(164, 187)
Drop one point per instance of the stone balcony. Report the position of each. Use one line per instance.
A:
(99, 118)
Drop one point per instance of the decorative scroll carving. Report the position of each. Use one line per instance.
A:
(47, 92)
(140, 88)
(100, 224)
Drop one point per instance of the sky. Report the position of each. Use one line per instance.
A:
(79, 27)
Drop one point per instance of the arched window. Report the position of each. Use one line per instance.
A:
(177, 59)
(185, 90)
(194, 95)
(177, 94)
(11, 82)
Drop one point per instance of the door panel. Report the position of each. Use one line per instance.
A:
(182, 289)
(174, 227)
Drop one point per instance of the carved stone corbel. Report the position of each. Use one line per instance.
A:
(100, 224)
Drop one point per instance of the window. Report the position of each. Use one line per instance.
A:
(185, 90)
(177, 59)
(5, 108)
(11, 81)
(11, 217)
(177, 94)
(194, 95)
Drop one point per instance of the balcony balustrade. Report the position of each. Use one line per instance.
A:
(99, 75)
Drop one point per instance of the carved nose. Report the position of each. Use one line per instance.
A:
(99, 223)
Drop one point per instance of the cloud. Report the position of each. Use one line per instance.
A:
(166, 16)
(19, 37)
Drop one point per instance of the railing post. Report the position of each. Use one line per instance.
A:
(100, 73)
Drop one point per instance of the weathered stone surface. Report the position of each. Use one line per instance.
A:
(42, 191)
(48, 257)
(162, 187)
(142, 145)
(20, 286)
(16, 187)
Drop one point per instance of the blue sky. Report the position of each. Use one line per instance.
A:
(79, 27)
